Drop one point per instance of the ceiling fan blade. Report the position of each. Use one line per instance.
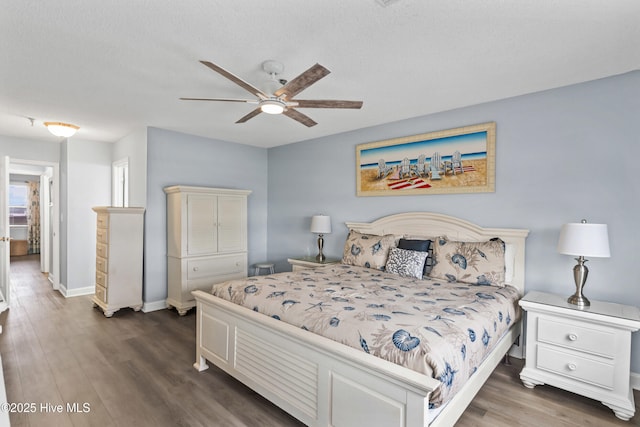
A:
(302, 82)
(237, 80)
(250, 115)
(299, 117)
(249, 101)
(326, 103)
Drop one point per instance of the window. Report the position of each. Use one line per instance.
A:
(18, 194)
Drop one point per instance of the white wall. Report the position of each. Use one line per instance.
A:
(134, 147)
(88, 183)
(26, 149)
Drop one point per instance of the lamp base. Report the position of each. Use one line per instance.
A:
(579, 300)
(320, 257)
(580, 273)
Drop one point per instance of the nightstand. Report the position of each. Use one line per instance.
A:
(307, 262)
(585, 351)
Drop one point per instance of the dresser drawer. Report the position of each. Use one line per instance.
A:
(102, 235)
(584, 369)
(102, 250)
(575, 335)
(216, 266)
(103, 220)
(101, 293)
(101, 264)
(101, 279)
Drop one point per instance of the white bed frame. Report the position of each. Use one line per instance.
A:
(324, 383)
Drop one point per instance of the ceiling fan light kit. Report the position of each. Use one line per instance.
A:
(272, 106)
(281, 100)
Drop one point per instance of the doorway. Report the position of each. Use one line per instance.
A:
(40, 179)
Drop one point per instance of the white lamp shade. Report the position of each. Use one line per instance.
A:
(321, 224)
(583, 239)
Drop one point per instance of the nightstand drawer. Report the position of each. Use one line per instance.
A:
(576, 336)
(579, 368)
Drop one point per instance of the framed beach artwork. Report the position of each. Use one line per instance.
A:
(460, 160)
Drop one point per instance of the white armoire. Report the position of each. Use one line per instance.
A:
(206, 240)
(119, 243)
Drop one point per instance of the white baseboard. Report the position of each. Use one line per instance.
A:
(154, 306)
(635, 381)
(76, 292)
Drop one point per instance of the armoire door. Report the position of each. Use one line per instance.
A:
(202, 232)
(232, 219)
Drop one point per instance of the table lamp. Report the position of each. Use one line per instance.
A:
(582, 239)
(321, 225)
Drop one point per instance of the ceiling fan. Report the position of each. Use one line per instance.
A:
(280, 100)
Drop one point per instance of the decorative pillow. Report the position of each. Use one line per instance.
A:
(367, 250)
(478, 263)
(422, 246)
(406, 263)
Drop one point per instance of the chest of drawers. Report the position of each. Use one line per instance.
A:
(119, 244)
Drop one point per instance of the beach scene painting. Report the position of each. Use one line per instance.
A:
(460, 160)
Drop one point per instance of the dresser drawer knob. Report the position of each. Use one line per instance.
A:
(571, 366)
(573, 337)
(195, 268)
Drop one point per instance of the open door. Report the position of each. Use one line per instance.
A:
(4, 233)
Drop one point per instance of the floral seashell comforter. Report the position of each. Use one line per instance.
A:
(440, 329)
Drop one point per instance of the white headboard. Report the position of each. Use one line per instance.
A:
(428, 224)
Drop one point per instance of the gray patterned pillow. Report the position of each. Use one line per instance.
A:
(367, 250)
(422, 245)
(406, 263)
(477, 263)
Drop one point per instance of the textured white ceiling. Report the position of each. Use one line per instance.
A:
(114, 66)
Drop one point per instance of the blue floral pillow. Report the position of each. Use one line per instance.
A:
(406, 263)
(477, 263)
(367, 250)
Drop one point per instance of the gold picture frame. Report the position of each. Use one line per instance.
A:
(460, 160)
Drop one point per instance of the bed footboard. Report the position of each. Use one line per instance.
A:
(316, 380)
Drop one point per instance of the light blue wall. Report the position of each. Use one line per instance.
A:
(562, 155)
(175, 158)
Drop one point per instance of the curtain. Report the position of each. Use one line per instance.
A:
(33, 217)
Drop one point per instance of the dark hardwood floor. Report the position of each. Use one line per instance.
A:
(136, 369)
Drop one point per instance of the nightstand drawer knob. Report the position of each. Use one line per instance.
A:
(573, 337)
(572, 366)
(195, 269)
